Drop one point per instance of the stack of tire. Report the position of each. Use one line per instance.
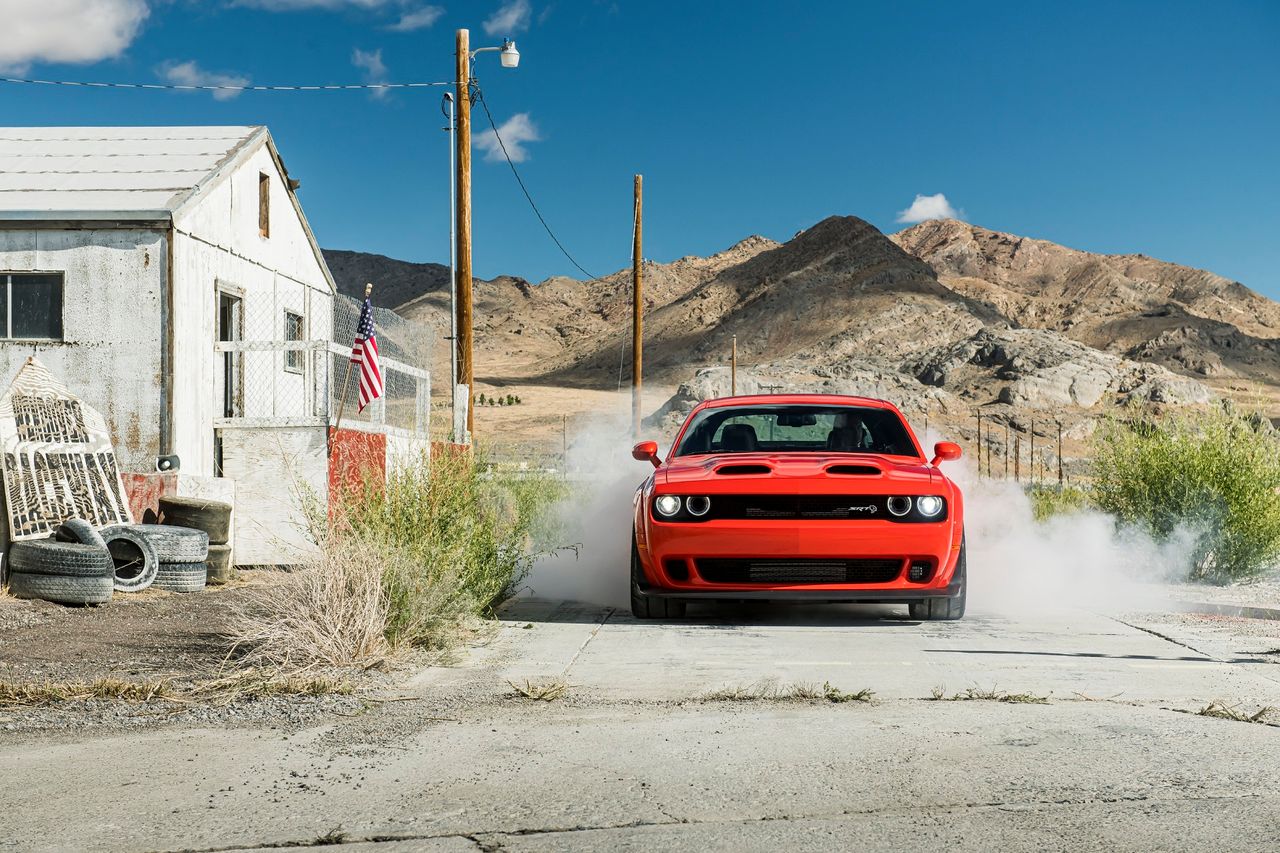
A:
(68, 572)
(213, 518)
(180, 553)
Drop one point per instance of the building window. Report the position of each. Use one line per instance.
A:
(294, 330)
(264, 204)
(31, 305)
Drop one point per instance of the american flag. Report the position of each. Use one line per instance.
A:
(365, 354)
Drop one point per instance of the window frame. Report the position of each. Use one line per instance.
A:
(6, 279)
(264, 205)
(294, 361)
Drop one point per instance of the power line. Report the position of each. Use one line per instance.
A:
(525, 190)
(225, 87)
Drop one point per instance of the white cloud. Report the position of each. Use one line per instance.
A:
(418, 19)
(515, 132)
(295, 5)
(375, 70)
(79, 31)
(927, 207)
(191, 74)
(510, 19)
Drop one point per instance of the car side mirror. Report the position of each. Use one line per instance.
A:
(945, 451)
(647, 451)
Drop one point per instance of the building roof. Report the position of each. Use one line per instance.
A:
(111, 173)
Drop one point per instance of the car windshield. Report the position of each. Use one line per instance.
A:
(796, 428)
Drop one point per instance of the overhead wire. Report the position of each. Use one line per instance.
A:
(219, 87)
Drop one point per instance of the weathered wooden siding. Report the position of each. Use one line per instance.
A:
(275, 471)
(110, 354)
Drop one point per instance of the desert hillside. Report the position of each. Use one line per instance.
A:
(942, 318)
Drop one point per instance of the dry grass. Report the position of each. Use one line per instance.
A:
(977, 694)
(1223, 711)
(242, 685)
(333, 611)
(772, 691)
(540, 690)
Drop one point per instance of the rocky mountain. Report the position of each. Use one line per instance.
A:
(941, 318)
(395, 282)
(1192, 321)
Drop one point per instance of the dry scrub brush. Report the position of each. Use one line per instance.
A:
(412, 562)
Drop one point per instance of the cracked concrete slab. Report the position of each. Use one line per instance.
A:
(632, 758)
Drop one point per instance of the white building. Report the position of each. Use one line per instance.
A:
(169, 277)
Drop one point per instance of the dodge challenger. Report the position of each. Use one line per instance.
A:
(797, 497)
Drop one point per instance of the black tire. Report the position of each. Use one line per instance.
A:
(59, 559)
(945, 609)
(64, 589)
(644, 607)
(219, 564)
(133, 558)
(213, 517)
(173, 544)
(181, 577)
(79, 530)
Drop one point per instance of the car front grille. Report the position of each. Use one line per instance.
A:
(798, 571)
(798, 506)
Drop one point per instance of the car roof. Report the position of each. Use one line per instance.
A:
(796, 399)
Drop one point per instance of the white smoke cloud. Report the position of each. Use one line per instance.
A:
(927, 207)
(510, 19)
(191, 74)
(76, 31)
(516, 132)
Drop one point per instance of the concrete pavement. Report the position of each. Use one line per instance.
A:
(635, 756)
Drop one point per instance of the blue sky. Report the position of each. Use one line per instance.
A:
(1144, 127)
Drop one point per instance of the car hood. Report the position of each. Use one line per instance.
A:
(834, 473)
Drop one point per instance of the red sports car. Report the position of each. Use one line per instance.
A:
(798, 497)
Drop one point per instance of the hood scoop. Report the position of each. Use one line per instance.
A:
(854, 470)
(744, 469)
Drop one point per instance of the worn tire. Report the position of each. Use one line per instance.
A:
(945, 609)
(79, 530)
(133, 558)
(64, 589)
(59, 559)
(644, 607)
(219, 564)
(173, 544)
(213, 517)
(181, 577)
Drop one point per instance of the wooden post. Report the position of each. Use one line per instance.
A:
(1006, 450)
(978, 444)
(1017, 458)
(637, 306)
(463, 224)
(733, 369)
(1032, 452)
(1059, 454)
(926, 426)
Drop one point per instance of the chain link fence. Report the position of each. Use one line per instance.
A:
(404, 351)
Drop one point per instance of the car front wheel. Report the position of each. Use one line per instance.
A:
(643, 606)
(945, 609)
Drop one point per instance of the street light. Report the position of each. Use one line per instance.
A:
(464, 58)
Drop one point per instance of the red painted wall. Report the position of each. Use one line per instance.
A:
(355, 457)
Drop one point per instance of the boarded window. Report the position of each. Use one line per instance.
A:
(264, 204)
(294, 330)
(31, 305)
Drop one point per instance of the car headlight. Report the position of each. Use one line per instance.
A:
(929, 505)
(699, 505)
(667, 505)
(899, 505)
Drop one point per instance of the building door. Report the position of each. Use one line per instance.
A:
(230, 328)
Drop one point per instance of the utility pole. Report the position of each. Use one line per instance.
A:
(733, 369)
(637, 307)
(462, 276)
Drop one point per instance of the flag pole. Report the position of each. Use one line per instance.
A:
(342, 401)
